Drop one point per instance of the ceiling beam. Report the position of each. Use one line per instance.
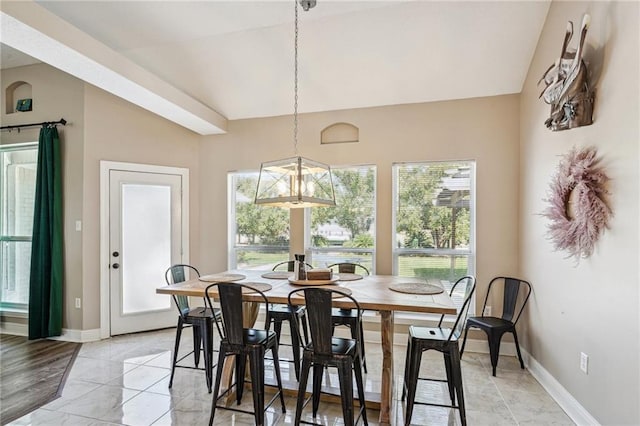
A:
(33, 30)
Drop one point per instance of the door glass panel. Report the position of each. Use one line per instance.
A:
(146, 246)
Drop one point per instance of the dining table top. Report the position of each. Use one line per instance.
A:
(371, 291)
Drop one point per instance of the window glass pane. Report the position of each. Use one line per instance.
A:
(260, 233)
(433, 227)
(146, 240)
(346, 232)
(18, 191)
(14, 278)
(432, 206)
(17, 196)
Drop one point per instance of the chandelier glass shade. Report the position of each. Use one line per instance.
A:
(295, 182)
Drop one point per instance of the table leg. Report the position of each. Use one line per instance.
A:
(386, 391)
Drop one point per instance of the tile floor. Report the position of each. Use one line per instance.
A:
(123, 381)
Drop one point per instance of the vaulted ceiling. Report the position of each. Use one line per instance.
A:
(235, 58)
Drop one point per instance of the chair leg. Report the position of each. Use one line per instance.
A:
(406, 370)
(362, 354)
(216, 388)
(494, 349)
(515, 340)
(295, 345)
(277, 327)
(206, 330)
(241, 362)
(197, 342)
(450, 381)
(302, 389)
(317, 386)
(346, 391)
(276, 366)
(464, 341)
(176, 348)
(256, 360)
(360, 385)
(414, 368)
(456, 372)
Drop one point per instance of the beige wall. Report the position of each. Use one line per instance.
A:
(591, 307)
(100, 127)
(485, 130)
(117, 130)
(56, 95)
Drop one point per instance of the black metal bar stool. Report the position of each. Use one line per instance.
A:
(324, 350)
(294, 315)
(444, 340)
(199, 318)
(242, 342)
(348, 317)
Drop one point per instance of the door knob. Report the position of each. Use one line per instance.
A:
(115, 265)
(115, 254)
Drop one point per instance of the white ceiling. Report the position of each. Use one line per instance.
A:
(236, 57)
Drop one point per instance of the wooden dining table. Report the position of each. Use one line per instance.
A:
(372, 293)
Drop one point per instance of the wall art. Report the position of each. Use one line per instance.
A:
(567, 85)
(578, 211)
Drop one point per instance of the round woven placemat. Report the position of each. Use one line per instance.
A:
(416, 288)
(221, 278)
(332, 287)
(277, 275)
(258, 286)
(349, 277)
(246, 290)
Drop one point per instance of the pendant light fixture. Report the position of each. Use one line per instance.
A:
(295, 182)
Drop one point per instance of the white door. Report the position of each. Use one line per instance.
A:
(145, 238)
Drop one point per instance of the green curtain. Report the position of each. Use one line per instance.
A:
(47, 273)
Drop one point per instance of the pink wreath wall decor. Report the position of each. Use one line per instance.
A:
(578, 210)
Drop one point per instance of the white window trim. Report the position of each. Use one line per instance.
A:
(471, 252)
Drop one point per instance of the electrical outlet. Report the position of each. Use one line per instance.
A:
(584, 363)
(487, 311)
(78, 303)
(78, 225)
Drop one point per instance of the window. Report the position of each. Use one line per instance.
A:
(18, 164)
(434, 221)
(258, 235)
(346, 232)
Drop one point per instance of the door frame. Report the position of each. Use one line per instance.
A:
(105, 169)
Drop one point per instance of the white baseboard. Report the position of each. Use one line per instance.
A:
(14, 329)
(565, 400)
(68, 335)
(78, 336)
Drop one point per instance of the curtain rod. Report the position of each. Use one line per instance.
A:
(44, 123)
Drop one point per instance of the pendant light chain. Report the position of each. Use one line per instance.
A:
(295, 85)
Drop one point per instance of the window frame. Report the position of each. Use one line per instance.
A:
(21, 308)
(397, 252)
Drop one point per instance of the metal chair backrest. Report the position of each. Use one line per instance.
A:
(468, 284)
(349, 268)
(319, 302)
(290, 265)
(177, 274)
(230, 297)
(512, 288)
